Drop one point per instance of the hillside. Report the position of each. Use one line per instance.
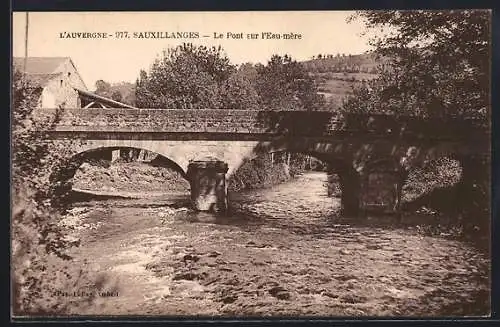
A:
(362, 63)
(337, 75)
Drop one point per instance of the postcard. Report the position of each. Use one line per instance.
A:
(251, 164)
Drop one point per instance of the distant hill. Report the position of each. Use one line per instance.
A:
(336, 75)
(362, 63)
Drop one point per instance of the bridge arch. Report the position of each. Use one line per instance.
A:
(170, 151)
(61, 178)
(337, 163)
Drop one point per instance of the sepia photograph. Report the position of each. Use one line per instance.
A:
(258, 164)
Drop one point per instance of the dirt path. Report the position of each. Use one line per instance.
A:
(282, 252)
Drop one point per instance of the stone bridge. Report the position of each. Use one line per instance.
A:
(372, 154)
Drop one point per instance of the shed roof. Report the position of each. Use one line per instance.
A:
(106, 101)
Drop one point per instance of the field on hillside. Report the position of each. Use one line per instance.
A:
(336, 76)
(337, 86)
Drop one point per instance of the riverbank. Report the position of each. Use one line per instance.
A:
(129, 177)
(133, 178)
(136, 177)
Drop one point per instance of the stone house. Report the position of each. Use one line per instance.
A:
(57, 78)
(61, 85)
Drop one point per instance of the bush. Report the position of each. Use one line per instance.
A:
(438, 187)
(39, 247)
(41, 266)
(261, 173)
(258, 173)
(441, 173)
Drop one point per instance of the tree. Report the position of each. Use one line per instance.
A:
(440, 64)
(191, 76)
(121, 92)
(102, 88)
(249, 71)
(36, 237)
(439, 68)
(238, 92)
(197, 77)
(116, 95)
(284, 84)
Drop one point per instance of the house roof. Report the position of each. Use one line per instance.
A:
(106, 101)
(39, 65)
(40, 70)
(39, 80)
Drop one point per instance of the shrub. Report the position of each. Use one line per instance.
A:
(438, 187)
(257, 173)
(39, 246)
(440, 173)
(261, 173)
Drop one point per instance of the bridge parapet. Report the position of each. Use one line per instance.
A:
(184, 120)
(308, 123)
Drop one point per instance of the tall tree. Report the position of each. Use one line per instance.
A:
(283, 84)
(191, 76)
(440, 63)
(238, 92)
(439, 68)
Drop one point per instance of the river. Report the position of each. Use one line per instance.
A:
(282, 251)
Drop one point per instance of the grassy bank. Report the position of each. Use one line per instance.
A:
(258, 173)
(139, 176)
(262, 172)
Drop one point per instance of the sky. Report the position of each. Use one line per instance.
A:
(116, 59)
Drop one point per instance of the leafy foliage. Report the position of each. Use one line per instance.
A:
(440, 173)
(284, 84)
(189, 77)
(39, 246)
(440, 64)
(260, 172)
(198, 77)
(439, 68)
(122, 92)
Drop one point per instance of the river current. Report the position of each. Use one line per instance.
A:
(281, 251)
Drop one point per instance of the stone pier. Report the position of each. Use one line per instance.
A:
(208, 185)
(381, 190)
(351, 187)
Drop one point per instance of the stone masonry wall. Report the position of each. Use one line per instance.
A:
(315, 123)
(170, 120)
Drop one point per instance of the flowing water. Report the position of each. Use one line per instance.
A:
(281, 251)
